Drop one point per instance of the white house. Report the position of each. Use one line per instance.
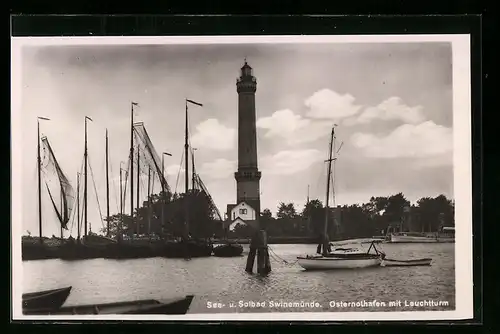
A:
(242, 211)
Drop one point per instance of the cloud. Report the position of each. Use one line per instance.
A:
(416, 141)
(391, 109)
(290, 162)
(327, 104)
(292, 127)
(219, 169)
(214, 135)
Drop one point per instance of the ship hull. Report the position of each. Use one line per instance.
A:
(419, 239)
(330, 263)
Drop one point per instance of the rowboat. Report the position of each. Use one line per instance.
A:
(45, 300)
(407, 263)
(228, 250)
(148, 306)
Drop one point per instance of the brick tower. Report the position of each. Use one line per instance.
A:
(248, 176)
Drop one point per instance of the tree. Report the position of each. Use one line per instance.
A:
(435, 212)
(117, 222)
(314, 213)
(286, 211)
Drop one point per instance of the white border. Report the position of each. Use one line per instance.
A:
(462, 174)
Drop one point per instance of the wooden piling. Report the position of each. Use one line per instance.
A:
(259, 248)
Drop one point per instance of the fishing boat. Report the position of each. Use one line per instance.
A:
(189, 247)
(47, 300)
(339, 258)
(84, 246)
(406, 263)
(44, 248)
(149, 306)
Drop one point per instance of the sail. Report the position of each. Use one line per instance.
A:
(151, 159)
(61, 193)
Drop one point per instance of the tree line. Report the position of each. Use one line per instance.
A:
(358, 220)
(393, 212)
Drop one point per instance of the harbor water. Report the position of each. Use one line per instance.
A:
(221, 285)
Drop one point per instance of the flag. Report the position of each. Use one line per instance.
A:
(193, 102)
(87, 117)
(135, 103)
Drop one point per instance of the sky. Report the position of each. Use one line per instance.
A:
(392, 103)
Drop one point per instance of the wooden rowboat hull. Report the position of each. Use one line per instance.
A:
(406, 263)
(45, 300)
(228, 250)
(150, 306)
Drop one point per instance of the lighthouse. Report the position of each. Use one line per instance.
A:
(247, 207)
(248, 175)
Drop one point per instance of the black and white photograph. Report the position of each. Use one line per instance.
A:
(242, 178)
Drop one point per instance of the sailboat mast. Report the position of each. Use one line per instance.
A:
(149, 201)
(186, 164)
(62, 208)
(121, 206)
(192, 168)
(107, 185)
(162, 191)
(138, 188)
(85, 193)
(308, 212)
(132, 160)
(39, 167)
(78, 204)
(186, 153)
(327, 208)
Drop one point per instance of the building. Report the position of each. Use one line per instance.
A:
(248, 175)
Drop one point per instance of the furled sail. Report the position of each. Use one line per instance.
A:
(58, 185)
(152, 159)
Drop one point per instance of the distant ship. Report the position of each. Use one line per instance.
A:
(446, 235)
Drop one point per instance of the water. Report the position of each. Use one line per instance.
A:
(223, 280)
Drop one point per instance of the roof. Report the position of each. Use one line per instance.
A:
(239, 220)
(246, 65)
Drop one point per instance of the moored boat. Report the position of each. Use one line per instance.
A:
(406, 263)
(228, 250)
(339, 258)
(47, 300)
(149, 306)
(351, 261)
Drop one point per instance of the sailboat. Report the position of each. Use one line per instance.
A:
(188, 247)
(44, 248)
(339, 258)
(82, 247)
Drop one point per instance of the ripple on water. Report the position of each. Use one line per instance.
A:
(225, 280)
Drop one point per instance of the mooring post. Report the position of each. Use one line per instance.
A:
(259, 248)
(263, 263)
(252, 253)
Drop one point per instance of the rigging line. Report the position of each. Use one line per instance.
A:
(82, 167)
(179, 172)
(95, 190)
(113, 185)
(124, 193)
(272, 253)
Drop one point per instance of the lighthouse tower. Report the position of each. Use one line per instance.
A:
(248, 175)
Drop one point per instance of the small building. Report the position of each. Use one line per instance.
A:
(241, 213)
